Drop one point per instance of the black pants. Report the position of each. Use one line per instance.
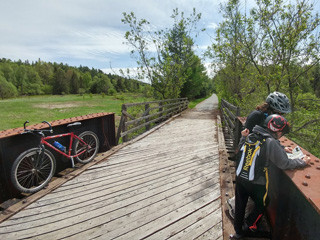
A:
(258, 193)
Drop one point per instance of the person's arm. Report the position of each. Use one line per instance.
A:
(288, 149)
(279, 157)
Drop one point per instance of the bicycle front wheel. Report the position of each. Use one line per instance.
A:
(29, 173)
(90, 146)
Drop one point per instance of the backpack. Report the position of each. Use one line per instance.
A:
(252, 159)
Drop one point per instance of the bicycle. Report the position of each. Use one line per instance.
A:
(33, 169)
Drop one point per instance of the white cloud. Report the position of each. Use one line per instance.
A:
(212, 25)
(87, 33)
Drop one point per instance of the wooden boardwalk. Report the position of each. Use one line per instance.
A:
(165, 185)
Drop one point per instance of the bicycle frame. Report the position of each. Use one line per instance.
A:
(33, 169)
(69, 150)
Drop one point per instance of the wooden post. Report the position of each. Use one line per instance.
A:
(119, 129)
(125, 119)
(146, 108)
(160, 109)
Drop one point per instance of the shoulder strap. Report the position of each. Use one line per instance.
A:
(250, 151)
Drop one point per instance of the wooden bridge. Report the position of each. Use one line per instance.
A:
(164, 184)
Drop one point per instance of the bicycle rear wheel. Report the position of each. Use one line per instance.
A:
(29, 174)
(91, 145)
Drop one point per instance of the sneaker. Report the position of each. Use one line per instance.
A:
(253, 228)
(230, 204)
(235, 236)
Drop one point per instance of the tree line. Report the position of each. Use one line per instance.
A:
(18, 78)
(272, 47)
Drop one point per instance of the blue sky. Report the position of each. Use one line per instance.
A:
(90, 32)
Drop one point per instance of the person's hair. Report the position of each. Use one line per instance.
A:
(264, 107)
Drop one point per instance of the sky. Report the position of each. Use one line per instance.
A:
(90, 32)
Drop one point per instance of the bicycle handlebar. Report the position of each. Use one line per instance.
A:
(49, 126)
(37, 130)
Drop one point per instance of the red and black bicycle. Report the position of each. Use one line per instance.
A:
(34, 168)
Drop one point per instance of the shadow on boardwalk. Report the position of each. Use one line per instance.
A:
(165, 185)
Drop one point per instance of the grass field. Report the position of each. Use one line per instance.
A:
(14, 112)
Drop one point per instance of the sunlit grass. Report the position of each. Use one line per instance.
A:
(14, 112)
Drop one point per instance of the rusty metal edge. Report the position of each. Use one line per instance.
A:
(306, 179)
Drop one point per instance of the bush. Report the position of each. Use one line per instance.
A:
(7, 89)
(47, 89)
(112, 92)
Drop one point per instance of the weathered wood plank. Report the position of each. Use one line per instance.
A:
(105, 213)
(174, 226)
(108, 180)
(184, 204)
(105, 197)
(201, 226)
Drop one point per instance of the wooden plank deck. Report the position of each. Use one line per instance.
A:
(166, 185)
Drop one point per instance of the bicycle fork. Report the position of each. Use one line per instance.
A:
(72, 161)
(39, 160)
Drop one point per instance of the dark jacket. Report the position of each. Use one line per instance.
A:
(275, 153)
(256, 117)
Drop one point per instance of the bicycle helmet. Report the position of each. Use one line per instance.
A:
(277, 123)
(279, 102)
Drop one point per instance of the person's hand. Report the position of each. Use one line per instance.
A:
(245, 132)
(306, 159)
(288, 149)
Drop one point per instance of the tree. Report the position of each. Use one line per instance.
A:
(290, 40)
(228, 53)
(21, 78)
(60, 85)
(316, 80)
(74, 83)
(8, 72)
(101, 84)
(7, 89)
(196, 84)
(169, 66)
(85, 80)
(33, 83)
(275, 48)
(45, 71)
(120, 86)
(277, 39)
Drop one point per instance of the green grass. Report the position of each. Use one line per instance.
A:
(193, 103)
(35, 109)
(14, 112)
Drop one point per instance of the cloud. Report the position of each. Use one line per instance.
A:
(87, 33)
(212, 25)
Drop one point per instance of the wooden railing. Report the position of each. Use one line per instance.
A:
(137, 118)
(230, 114)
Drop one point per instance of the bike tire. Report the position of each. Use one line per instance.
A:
(91, 139)
(26, 177)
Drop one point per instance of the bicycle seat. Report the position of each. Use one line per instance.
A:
(74, 124)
